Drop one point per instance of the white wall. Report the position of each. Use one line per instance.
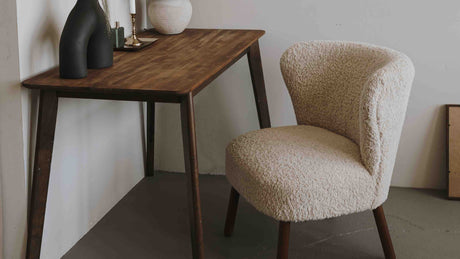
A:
(13, 195)
(98, 154)
(427, 31)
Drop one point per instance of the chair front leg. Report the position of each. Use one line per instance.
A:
(384, 233)
(283, 240)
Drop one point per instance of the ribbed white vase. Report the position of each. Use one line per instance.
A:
(170, 16)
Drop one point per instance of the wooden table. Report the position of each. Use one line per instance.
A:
(172, 70)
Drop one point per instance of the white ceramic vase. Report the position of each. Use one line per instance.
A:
(170, 16)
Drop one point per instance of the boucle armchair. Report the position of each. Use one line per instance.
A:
(350, 101)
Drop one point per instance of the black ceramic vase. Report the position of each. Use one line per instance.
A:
(85, 41)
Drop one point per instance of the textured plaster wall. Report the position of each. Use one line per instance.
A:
(13, 195)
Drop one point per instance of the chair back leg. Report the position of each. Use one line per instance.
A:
(384, 234)
(231, 212)
(283, 240)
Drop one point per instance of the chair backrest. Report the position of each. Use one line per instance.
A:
(356, 90)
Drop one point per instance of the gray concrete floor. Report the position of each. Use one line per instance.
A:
(151, 222)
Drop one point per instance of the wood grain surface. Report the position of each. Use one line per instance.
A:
(191, 173)
(454, 139)
(176, 65)
(384, 233)
(453, 143)
(47, 114)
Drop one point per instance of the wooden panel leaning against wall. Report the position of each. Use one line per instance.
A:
(453, 151)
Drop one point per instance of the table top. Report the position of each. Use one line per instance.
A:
(175, 64)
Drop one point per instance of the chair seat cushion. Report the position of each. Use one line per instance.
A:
(299, 173)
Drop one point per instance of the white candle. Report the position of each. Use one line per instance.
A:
(132, 6)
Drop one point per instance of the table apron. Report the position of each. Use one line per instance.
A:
(139, 97)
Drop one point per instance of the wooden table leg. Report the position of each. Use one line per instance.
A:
(191, 171)
(42, 164)
(149, 162)
(258, 84)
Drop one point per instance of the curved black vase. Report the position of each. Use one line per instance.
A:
(85, 41)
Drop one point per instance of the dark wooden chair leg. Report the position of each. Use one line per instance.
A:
(231, 212)
(258, 84)
(283, 240)
(191, 170)
(41, 173)
(149, 162)
(384, 233)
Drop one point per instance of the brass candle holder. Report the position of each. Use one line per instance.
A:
(133, 40)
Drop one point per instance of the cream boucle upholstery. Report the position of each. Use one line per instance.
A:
(302, 170)
(353, 97)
